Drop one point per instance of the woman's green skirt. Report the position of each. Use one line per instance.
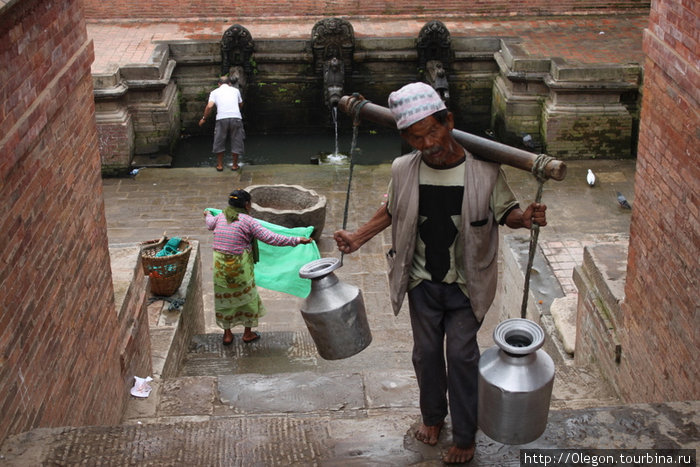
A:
(236, 299)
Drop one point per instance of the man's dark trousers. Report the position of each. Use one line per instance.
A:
(438, 310)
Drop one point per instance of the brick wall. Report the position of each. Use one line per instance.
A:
(159, 9)
(115, 138)
(58, 364)
(660, 344)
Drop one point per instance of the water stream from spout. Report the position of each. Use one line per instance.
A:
(334, 113)
(336, 157)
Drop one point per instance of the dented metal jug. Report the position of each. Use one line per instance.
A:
(515, 383)
(334, 312)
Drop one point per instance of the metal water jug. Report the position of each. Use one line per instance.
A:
(515, 383)
(334, 312)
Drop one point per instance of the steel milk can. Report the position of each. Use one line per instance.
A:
(515, 383)
(334, 312)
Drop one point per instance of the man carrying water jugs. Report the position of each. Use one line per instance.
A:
(444, 207)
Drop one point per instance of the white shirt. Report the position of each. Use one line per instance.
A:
(226, 98)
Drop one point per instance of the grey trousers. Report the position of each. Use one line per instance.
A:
(437, 311)
(231, 129)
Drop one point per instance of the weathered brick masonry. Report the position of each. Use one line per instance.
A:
(161, 9)
(660, 311)
(58, 364)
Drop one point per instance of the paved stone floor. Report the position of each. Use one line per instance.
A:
(275, 402)
(172, 201)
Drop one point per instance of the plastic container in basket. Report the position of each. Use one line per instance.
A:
(166, 272)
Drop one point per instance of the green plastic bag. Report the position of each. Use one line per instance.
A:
(278, 267)
(170, 247)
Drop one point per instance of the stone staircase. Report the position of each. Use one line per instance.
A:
(276, 402)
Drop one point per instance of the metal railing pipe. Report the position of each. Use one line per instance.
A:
(480, 147)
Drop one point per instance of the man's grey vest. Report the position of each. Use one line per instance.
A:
(479, 230)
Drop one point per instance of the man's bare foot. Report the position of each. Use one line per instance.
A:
(429, 434)
(457, 455)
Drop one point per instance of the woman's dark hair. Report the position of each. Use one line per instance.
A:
(238, 198)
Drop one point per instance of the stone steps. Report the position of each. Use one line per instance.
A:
(282, 352)
(341, 437)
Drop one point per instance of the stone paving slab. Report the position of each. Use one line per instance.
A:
(376, 438)
(290, 351)
(291, 392)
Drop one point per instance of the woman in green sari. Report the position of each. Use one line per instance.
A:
(236, 299)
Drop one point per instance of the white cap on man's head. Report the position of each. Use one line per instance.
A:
(413, 103)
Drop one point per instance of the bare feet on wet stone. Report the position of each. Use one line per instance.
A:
(457, 455)
(429, 434)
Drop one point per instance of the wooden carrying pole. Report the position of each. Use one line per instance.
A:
(481, 147)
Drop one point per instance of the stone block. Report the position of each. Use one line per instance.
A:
(580, 131)
(291, 392)
(106, 80)
(519, 61)
(542, 290)
(289, 206)
(600, 282)
(563, 311)
(629, 74)
(488, 45)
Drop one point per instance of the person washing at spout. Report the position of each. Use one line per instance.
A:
(236, 299)
(229, 121)
(444, 208)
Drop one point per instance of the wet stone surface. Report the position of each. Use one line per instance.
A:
(376, 438)
(210, 413)
(295, 392)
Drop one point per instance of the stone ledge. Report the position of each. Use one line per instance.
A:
(563, 311)
(519, 62)
(378, 437)
(169, 331)
(544, 288)
(606, 266)
(600, 282)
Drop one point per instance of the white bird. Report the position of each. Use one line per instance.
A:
(528, 142)
(590, 178)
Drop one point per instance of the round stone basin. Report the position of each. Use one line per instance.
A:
(289, 206)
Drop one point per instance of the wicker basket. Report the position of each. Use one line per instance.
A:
(166, 272)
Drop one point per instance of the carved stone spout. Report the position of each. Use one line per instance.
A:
(236, 52)
(238, 78)
(333, 44)
(435, 55)
(333, 81)
(436, 76)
